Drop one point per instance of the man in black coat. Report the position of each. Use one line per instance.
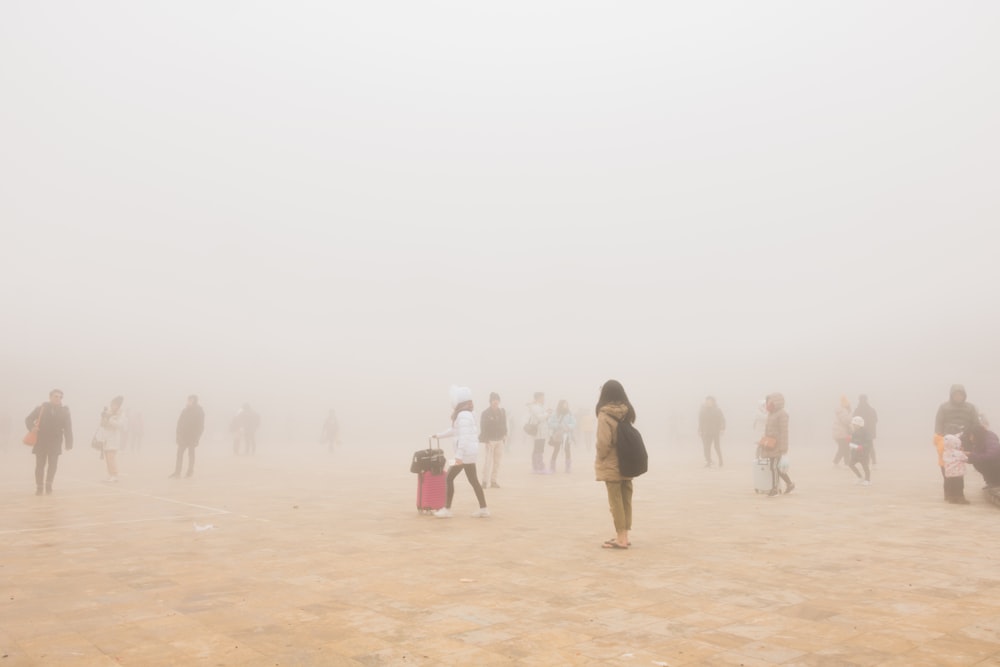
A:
(190, 426)
(54, 426)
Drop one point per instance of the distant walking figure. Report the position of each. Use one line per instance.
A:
(562, 429)
(777, 429)
(54, 426)
(113, 434)
(537, 430)
(868, 413)
(711, 426)
(861, 443)
(493, 435)
(613, 406)
(190, 426)
(841, 431)
(466, 434)
(244, 427)
(331, 431)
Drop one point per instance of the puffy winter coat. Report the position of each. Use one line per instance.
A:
(777, 426)
(466, 434)
(606, 459)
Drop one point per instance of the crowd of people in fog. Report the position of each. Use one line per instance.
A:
(961, 437)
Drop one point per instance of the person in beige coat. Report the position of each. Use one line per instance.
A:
(612, 407)
(777, 429)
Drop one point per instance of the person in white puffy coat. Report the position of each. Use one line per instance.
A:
(466, 433)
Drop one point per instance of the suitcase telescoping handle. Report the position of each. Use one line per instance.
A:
(430, 443)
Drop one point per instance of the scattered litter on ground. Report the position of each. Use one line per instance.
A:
(466, 581)
(201, 528)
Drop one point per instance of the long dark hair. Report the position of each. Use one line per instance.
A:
(613, 392)
(461, 407)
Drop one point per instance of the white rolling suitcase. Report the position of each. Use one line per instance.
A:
(763, 481)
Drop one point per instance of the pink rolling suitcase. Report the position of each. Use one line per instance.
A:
(431, 485)
(430, 491)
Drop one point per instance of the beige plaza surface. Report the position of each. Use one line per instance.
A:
(304, 557)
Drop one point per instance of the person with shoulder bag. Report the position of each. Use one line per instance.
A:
(113, 427)
(774, 444)
(49, 425)
(537, 430)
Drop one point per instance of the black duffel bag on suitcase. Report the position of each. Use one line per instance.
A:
(428, 460)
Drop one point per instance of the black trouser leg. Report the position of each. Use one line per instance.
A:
(180, 459)
(477, 488)
(718, 448)
(51, 473)
(190, 461)
(450, 484)
(39, 470)
(706, 445)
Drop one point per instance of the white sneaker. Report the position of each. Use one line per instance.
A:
(480, 513)
(865, 482)
(112, 479)
(443, 513)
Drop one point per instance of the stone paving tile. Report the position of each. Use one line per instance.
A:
(328, 563)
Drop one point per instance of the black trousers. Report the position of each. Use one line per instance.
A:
(470, 474)
(180, 459)
(41, 476)
(861, 456)
(707, 440)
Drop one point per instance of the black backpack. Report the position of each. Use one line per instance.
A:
(632, 457)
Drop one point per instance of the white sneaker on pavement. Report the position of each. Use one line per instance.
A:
(480, 513)
(443, 513)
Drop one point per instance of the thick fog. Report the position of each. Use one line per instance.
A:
(308, 206)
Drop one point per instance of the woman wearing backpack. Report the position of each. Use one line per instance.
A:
(612, 407)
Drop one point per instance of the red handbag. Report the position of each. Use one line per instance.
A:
(31, 437)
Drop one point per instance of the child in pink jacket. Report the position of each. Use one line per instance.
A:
(954, 470)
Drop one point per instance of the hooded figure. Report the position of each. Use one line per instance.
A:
(955, 415)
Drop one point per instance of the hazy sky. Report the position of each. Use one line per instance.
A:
(306, 204)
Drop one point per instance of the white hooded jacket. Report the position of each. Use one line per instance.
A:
(465, 430)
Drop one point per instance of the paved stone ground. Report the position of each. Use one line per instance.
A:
(328, 563)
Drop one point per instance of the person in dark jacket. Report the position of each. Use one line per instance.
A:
(244, 427)
(870, 417)
(493, 434)
(711, 426)
(954, 417)
(983, 447)
(54, 427)
(861, 442)
(190, 426)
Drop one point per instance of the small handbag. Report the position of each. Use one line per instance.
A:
(31, 437)
(96, 441)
